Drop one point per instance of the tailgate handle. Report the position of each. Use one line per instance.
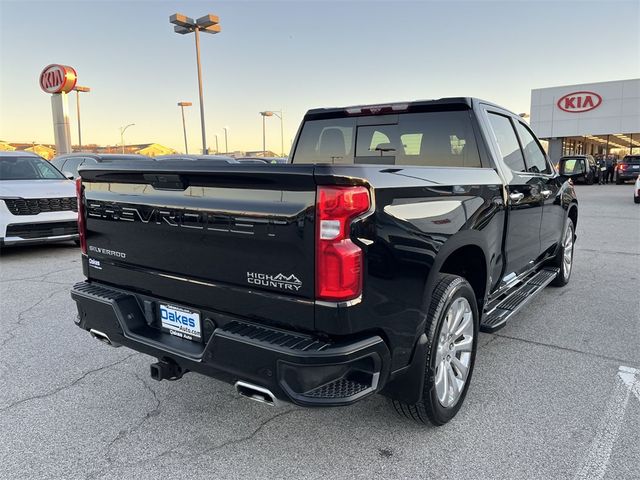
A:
(165, 181)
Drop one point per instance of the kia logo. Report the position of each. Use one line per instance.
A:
(58, 78)
(578, 102)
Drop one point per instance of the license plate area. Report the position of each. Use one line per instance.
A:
(180, 321)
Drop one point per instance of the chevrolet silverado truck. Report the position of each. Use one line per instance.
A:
(368, 265)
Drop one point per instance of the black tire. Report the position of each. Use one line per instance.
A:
(589, 179)
(563, 276)
(636, 199)
(619, 181)
(429, 410)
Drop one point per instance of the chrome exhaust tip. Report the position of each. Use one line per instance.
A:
(102, 337)
(256, 393)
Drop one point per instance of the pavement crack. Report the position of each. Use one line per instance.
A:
(215, 448)
(21, 319)
(621, 361)
(65, 387)
(41, 276)
(153, 412)
(249, 437)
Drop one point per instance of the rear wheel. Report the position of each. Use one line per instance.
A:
(452, 330)
(564, 257)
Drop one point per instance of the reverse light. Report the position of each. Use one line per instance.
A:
(338, 259)
(82, 227)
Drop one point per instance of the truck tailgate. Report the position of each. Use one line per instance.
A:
(229, 239)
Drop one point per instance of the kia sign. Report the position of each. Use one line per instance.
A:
(58, 79)
(578, 102)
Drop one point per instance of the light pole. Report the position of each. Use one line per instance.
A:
(122, 130)
(79, 89)
(184, 125)
(216, 135)
(264, 114)
(226, 143)
(207, 24)
(279, 114)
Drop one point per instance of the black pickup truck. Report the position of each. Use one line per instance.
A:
(370, 264)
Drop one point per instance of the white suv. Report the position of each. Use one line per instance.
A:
(37, 203)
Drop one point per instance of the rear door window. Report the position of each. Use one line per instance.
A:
(507, 142)
(443, 139)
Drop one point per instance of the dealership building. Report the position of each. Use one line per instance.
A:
(591, 118)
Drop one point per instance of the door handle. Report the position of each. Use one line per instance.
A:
(516, 197)
(546, 193)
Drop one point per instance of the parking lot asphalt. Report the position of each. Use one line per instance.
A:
(548, 399)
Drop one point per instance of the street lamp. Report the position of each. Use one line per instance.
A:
(184, 125)
(264, 114)
(277, 113)
(226, 143)
(122, 130)
(208, 24)
(79, 89)
(216, 135)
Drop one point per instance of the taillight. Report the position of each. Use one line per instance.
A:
(338, 259)
(82, 227)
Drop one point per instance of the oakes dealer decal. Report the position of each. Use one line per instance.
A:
(281, 281)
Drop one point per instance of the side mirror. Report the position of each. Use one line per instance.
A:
(68, 175)
(571, 167)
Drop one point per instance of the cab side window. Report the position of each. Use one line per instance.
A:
(534, 156)
(507, 141)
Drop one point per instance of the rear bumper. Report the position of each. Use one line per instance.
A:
(628, 175)
(294, 367)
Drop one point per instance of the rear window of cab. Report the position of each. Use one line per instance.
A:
(439, 139)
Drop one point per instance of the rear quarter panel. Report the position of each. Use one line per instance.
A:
(422, 214)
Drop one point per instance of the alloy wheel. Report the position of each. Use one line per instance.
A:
(453, 356)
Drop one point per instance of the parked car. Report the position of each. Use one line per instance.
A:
(628, 169)
(636, 190)
(69, 163)
(368, 265)
(220, 159)
(37, 203)
(588, 165)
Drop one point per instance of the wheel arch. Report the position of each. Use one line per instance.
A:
(467, 244)
(466, 255)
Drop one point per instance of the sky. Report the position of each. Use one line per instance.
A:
(293, 56)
